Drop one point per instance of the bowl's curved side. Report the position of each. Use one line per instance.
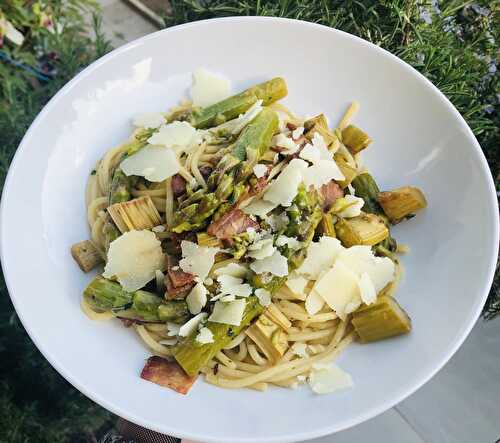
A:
(38, 215)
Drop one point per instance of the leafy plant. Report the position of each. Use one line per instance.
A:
(36, 404)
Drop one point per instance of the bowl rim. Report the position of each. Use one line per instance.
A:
(169, 429)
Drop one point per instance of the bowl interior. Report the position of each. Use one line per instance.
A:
(419, 139)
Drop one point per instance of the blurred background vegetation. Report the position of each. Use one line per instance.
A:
(43, 44)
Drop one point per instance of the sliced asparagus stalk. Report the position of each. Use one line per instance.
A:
(110, 232)
(326, 226)
(366, 229)
(105, 295)
(382, 319)
(401, 202)
(137, 214)
(319, 125)
(192, 355)
(121, 185)
(366, 188)
(207, 240)
(86, 255)
(269, 337)
(355, 139)
(347, 170)
(231, 107)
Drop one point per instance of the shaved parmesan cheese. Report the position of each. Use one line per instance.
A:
(191, 325)
(149, 120)
(360, 259)
(260, 170)
(320, 256)
(296, 133)
(259, 207)
(310, 153)
(276, 264)
(291, 242)
(197, 298)
(339, 288)
(263, 296)
(227, 298)
(209, 88)
(173, 329)
(322, 172)
(283, 190)
(233, 269)
(261, 249)
(228, 313)
(175, 134)
(319, 143)
(326, 379)
(197, 260)
(230, 285)
(300, 349)
(282, 141)
(354, 205)
(296, 283)
(366, 289)
(236, 125)
(205, 336)
(278, 221)
(134, 258)
(314, 303)
(154, 163)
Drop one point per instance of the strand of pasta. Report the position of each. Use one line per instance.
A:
(286, 370)
(159, 349)
(305, 336)
(93, 209)
(194, 165)
(349, 114)
(93, 315)
(252, 350)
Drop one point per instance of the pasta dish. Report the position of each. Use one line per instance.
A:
(244, 243)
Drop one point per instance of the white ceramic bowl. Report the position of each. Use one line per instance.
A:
(419, 139)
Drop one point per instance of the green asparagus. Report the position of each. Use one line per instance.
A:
(231, 107)
(192, 355)
(366, 188)
(120, 188)
(253, 141)
(105, 295)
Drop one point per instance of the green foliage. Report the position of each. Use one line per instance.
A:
(36, 403)
(453, 43)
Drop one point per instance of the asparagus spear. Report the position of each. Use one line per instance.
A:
(355, 139)
(231, 107)
(382, 319)
(121, 185)
(366, 188)
(106, 295)
(192, 355)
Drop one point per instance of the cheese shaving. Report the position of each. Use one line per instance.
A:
(260, 170)
(320, 256)
(133, 259)
(209, 88)
(230, 285)
(283, 190)
(197, 298)
(354, 205)
(174, 135)
(263, 296)
(191, 325)
(233, 269)
(205, 336)
(149, 120)
(154, 163)
(197, 260)
(276, 264)
(326, 379)
(228, 313)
